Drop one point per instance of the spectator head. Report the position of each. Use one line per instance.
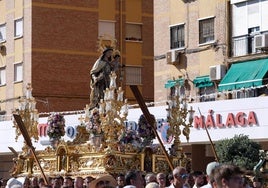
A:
(198, 177)
(78, 182)
(227, 176)
(120, 180)
(209, 170)
(150, 177)
(161, 179)
(179, 175)
(135, 178)
(105, 180)
(170, 178)
(211, 166)
(68, 182)
(152, 185)
(12, 183)
(88, 180)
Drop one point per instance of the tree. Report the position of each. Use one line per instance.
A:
(240, 151)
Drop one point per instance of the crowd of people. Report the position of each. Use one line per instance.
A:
(215, 176)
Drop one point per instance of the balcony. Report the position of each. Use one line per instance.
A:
(243, 45)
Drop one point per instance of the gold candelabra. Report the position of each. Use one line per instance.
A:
(29, 114)
(180, 119)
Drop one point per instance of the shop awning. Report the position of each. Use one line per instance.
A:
(172, 83)
(202, 81)
(244, 75)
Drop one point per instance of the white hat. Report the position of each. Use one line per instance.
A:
(12, 181)
(105, 177)
(152, 185)
(211, 166)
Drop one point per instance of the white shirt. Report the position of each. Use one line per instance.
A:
(206, 186)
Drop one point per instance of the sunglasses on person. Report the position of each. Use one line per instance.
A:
(183, 176)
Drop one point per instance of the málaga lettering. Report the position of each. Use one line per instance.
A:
(215, 120)
(232, 119)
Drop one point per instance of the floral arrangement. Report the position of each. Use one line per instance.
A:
(94, 124)
(130, 137)
(145, 131)
(56, 125)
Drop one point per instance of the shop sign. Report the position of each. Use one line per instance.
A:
(232, 119)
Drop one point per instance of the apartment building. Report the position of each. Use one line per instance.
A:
(54, 44)
(214, 52)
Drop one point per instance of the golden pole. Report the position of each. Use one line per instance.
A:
(149, 119)
(28, 142)
(211, 143)
(121, 42)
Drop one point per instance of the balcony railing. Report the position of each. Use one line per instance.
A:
(243, 45)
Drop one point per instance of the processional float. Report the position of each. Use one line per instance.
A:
(96, 148)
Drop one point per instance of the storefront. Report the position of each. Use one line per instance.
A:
(223, 119)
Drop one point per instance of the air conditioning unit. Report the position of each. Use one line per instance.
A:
(261, 41)
(217, 72)
(172, 57)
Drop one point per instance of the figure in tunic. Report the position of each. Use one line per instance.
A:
(100, 77)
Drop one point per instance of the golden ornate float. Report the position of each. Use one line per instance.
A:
(82, 157)
(91, 155)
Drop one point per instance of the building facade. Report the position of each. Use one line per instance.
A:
(53, 46)
(214, 53)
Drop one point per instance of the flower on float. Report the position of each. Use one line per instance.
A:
(93, 126)
(145, 130)
(56, 126)
(129, 136)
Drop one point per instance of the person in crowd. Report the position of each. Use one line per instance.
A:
(104, 181)
(88, 180)
(161, 179)
(198, 177)
(13, 183)
(26, 183)
(41, 182)
(133, 179)
(152, 185)
(189, 181)
(100, 77)
(4, 182)
(247, 183)
(257, 182)
(209, 175)
(78, 182)
(68, 182)
(34, 182)
(120, 181)
(57, 182)
(179, 177)
(150, 177)
(228, 176)
(170, 179)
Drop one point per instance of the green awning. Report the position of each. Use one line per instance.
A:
(244, 75)
(172, 83)
(202, 81)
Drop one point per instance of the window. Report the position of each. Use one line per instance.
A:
(18, 74)
(106, 28)
(252, 32)
(206, 30)
(133, 75)
(133, 32)
(177, 37)
(18, 28)
(2, 32)
(207, 94)
(2, 76)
